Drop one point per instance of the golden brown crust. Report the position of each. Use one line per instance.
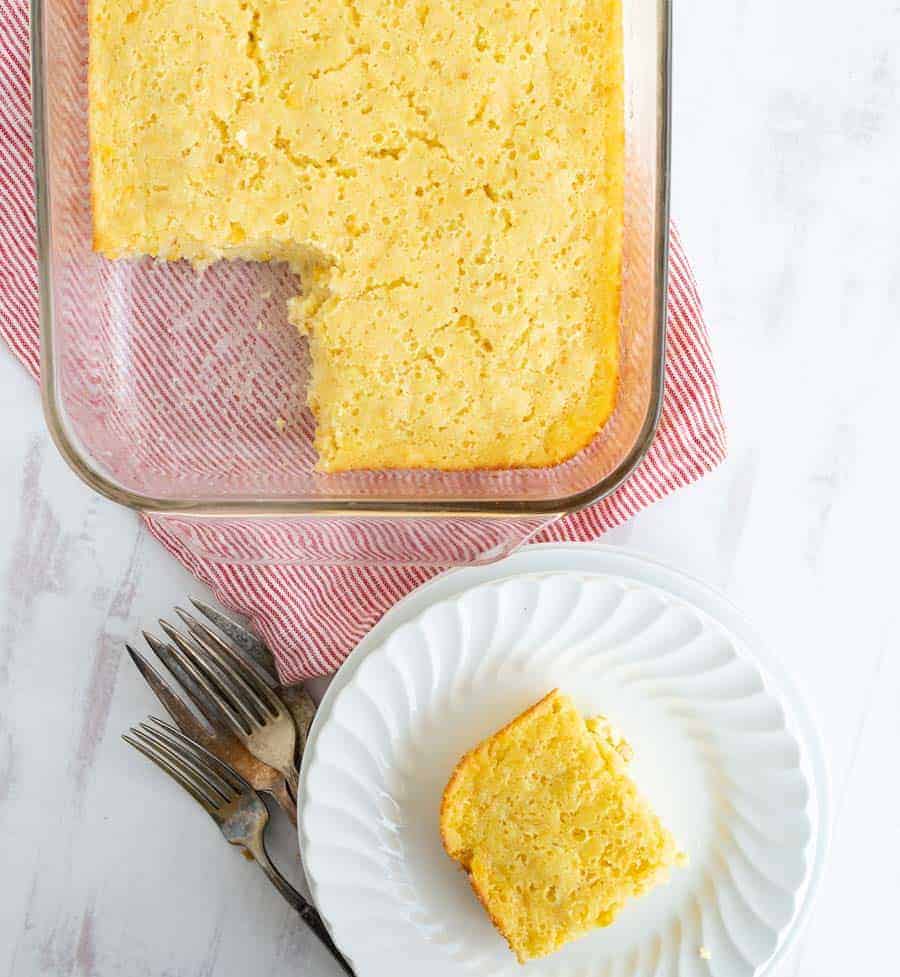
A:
(495, 921)
(448, 791)
(466, 758)
(570, 453)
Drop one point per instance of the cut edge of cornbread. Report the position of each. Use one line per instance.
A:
(614, 750)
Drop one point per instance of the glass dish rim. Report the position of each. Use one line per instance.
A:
(338, 505)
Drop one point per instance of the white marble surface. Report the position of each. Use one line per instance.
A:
(787, 135)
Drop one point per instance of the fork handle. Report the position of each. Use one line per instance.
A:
(308, 913)
(293, 779)
(284, 799)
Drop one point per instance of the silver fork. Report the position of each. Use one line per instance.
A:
(253, 713)
(210, 728)
(255, 651)
(212, 735)
(230, 801)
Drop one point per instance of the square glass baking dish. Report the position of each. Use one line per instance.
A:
(182, 393)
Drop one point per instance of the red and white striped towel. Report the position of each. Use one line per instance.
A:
(312, 616)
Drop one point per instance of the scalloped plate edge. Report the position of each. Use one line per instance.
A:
(597, 559)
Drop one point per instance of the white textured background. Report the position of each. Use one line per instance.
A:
(787, 141)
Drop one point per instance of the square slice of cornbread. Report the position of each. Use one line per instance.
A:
(550, 828)
(445, 178)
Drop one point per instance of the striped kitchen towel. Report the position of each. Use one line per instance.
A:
(312, 615)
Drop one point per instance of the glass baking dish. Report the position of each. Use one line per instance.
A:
(181, 393)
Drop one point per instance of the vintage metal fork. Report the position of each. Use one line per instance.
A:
(247, 651)
(230, 801)
(253, 713)
(255, 651)
(213, 735)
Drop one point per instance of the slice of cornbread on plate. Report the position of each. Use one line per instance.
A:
(446, 179)
(550, 828)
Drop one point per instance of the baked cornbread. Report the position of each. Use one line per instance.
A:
(445, 177)
(550, 828)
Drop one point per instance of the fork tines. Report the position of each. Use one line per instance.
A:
(210, 641)
(245, 701)
(207, 779)
(236, 694)
(252, 647)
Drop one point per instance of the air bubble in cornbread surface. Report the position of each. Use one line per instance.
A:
(445, 176)
(550, 828)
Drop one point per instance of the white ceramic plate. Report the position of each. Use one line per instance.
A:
(717, 753)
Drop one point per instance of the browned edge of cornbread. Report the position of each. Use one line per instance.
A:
(448, 790)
